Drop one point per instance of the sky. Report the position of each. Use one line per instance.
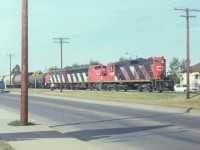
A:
(102, 30)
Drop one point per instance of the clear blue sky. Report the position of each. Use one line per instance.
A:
(102, 30)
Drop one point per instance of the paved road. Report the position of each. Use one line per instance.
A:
(112, 127)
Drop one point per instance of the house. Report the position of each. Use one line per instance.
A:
(194, 76)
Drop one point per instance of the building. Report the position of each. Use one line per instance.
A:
(194, 76)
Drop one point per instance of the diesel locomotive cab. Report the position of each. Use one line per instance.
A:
(159, 81)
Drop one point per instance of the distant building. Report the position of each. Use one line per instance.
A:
(194, 76)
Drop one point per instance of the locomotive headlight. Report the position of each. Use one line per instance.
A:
(162, 61)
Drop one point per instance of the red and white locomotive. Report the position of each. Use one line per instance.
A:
(125, 75)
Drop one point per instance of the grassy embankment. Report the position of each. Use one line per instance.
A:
(162, 99)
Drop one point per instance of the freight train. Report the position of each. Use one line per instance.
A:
(142, 74)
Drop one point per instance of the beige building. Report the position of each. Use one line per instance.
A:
(194, 76)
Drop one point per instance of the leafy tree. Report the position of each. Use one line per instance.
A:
(16, 70)
(53, 68)
(76, 65)
(94, 62)
(122, 59)
(176, 66)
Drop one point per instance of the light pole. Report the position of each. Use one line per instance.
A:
(61, 41)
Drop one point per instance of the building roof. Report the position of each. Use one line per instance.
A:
(195, 68)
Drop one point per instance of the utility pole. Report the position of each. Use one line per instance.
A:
(10, 56)
(61, 41)
(24, 64)
(187, 16)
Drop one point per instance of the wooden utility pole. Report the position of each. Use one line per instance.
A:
(187, 16)
(61, 41)
(24, 63)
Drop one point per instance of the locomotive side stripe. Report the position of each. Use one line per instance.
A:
(129, 72)
(58, 78)
(79, 77)
(139, 72)
(149, 70)
(84, 76)
(144, 71)
(127, 77)
(116, 79)
(69, 78)
(134, 72)
(63, 78)
(54, 79)
(51, 79)
(74, 78)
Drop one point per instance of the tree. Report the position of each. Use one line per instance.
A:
(176, 66)
(76, 65)
(122, 59)
(53, 68)
(16, 70)
(94, 62)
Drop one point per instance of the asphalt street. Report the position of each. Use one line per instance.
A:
(110, 126)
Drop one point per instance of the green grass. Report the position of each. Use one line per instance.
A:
(162, 99)
(18, 123)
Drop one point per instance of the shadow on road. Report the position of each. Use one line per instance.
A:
(84, 135)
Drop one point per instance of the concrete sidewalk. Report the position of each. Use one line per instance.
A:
(37, 137)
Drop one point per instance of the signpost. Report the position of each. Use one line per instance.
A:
(35, 75)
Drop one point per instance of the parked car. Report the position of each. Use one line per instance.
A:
(183, 88)
(2, 86)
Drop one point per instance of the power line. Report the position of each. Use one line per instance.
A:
(61, 41)
(188, 16)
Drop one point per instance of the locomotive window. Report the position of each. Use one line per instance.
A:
(97, 67)
(134, 62)
(111, 68)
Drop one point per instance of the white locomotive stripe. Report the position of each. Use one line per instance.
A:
(134, 72)
(79, 77)
(74, 78)
(125, 73)
(58, 77)
(69, 78)
(51, 79)
(54, 78)
(84, 76)
(63, 79)
(116, 78)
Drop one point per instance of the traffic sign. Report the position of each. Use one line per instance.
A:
(35, 74)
